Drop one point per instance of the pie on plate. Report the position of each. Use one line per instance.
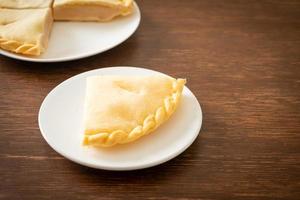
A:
(91, 10)
(25, 31)
(25, 25)
(121, 109)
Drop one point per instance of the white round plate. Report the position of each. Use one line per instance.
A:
(60, 121)
(75, 40)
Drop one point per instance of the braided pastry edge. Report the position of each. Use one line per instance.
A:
(18, 47)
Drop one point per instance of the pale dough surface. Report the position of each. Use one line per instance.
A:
(25, 31)
(20, 4)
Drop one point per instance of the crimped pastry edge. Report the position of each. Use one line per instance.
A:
(19, 47)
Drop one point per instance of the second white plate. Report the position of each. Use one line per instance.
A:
(60, 120)
(75, 40)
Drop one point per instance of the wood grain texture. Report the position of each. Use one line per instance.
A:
(242, 61)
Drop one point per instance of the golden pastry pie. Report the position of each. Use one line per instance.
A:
(21, 4)
(91, 10)
(121, 109)
(25, 25)
(25, 31)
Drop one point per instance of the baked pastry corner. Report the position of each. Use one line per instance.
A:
(91, 10)
(25, 31)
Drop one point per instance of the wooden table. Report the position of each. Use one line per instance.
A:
(242, 61)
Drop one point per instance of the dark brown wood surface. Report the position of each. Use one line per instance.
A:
(242, 61)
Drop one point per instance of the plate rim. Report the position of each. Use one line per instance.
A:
(70, 58)
(111, 167)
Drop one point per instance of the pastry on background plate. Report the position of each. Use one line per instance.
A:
(25, 25)
(91, 10)
(21, 4)
(25, 31)
(121, 109)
